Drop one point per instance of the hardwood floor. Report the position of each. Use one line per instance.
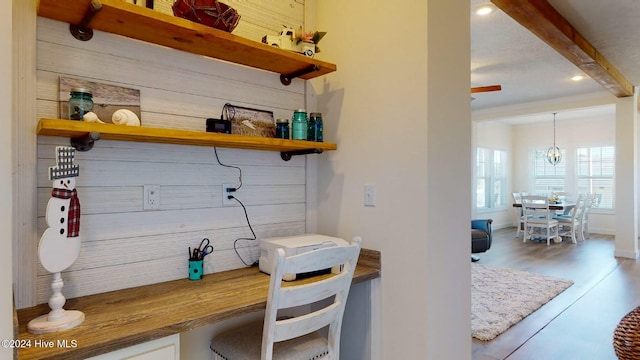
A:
(578, 323)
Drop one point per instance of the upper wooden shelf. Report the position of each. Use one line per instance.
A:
(80, 129)
(122, 18)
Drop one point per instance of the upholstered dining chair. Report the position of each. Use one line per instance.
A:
(538, 216)
(571, 224)
(297, 338)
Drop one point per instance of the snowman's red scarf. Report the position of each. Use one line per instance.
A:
(73, 220)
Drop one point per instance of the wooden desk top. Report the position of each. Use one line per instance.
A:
(123, 318)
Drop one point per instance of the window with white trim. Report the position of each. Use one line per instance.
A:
(595, 170)
(548, 178)
(491, 178)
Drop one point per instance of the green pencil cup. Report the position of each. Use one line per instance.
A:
(195, 269)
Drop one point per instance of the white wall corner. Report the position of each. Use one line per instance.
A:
(7, 71)
(627, 254)
(626, 182)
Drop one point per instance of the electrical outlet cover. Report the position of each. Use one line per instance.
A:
(151, 197)
(225, 199)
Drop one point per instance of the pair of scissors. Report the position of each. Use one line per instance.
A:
(203, 250)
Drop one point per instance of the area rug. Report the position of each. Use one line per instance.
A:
(501, 297)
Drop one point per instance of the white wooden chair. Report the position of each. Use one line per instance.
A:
(563, 196)
(571, 224)
(537, 215)
(591, 201)
(297, 338)
(517, 199)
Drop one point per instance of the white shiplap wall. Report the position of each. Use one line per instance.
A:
(122, 245)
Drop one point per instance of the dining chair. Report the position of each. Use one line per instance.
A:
(563, 197)
(571, 224)
(322, 299)
(517, 199)
(537, 215)
(591, 200)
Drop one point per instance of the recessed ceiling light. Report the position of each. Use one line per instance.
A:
(577, 78)
(484, 10)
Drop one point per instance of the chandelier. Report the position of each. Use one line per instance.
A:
(554, 156)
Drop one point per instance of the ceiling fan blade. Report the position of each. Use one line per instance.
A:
(486, 88)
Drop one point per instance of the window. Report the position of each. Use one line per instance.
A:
(491, 178)
(595, 169)
(594, 173)
(548, 178)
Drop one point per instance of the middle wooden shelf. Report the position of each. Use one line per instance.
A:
(80, 129)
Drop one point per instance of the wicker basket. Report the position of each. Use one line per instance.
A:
(207, 12)
(626, 337)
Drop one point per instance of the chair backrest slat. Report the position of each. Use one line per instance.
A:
(535, 205)
(291, 328)
(327, 258)
(306, 294)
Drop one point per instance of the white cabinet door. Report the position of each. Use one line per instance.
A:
(167, 348)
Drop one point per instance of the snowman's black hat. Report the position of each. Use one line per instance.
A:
(64, 164)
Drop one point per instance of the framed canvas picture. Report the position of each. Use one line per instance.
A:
(106, 98)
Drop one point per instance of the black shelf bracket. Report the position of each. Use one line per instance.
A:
(285, 79)
(286, 155)
(85, 143)
(82, 31)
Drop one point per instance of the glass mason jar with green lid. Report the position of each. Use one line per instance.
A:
(80, 103)
(299, 125)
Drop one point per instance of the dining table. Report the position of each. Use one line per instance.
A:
(564, 206)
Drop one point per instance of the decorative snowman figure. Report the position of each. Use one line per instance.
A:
(60, 243)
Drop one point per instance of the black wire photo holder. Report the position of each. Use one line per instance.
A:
(248, 121)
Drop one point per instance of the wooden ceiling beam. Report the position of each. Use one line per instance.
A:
(539, 17)
(480, 89)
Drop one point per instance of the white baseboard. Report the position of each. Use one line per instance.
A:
(626, 254)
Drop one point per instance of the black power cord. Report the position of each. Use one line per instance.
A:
(215, 151)
(235, 248)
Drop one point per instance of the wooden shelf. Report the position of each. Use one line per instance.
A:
(78, 129)
(136, 22)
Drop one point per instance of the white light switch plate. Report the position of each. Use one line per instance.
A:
(369, 195)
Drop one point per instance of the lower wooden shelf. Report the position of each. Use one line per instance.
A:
(79, 129)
